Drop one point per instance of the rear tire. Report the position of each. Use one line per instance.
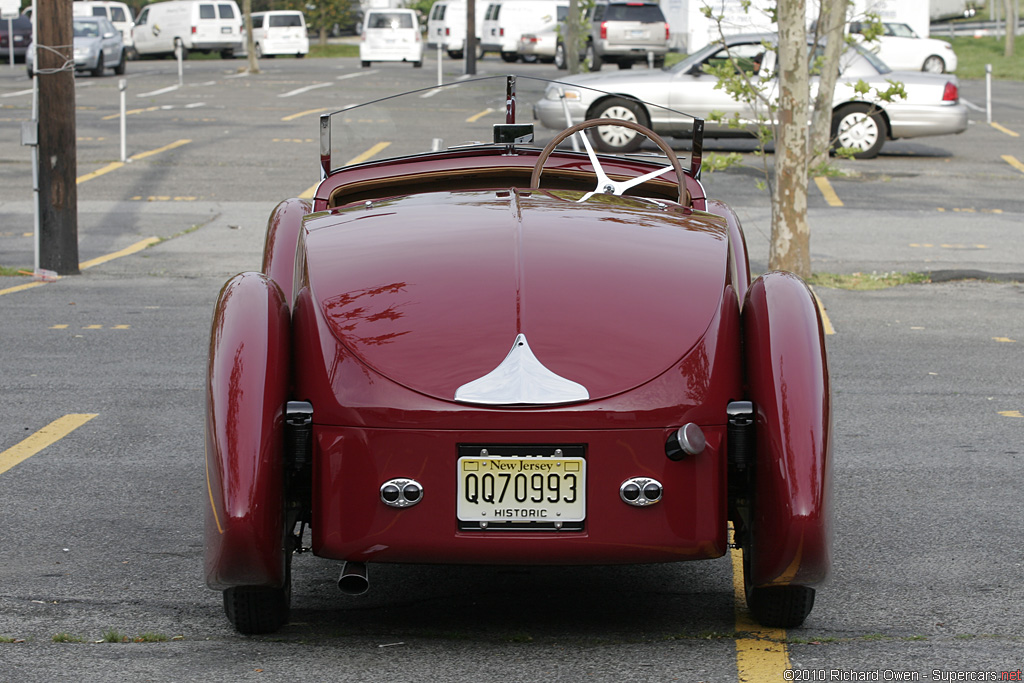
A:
(510, 57)
(592, 59)
(417, 65)
(98, 71)
(859, 126)
(780, 606)
(934, 65)
(119, 69)
(366, 64)
(255, 610)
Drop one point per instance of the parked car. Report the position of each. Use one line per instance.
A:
(446, 26)
(902, 49)
(188, 26)
(97, 47)
(506, 20)
(279, 32)
(540, 44)
(495, 354)
(18, 41)
(119, 14)
(623, 33)
(391, 35)
(860, 121)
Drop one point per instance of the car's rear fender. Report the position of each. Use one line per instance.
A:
(279, 247)
(787, 374)
(246, 393)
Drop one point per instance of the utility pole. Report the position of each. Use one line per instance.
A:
(471, 37)
(58, 191)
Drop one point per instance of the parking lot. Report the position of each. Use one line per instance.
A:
(102, 532)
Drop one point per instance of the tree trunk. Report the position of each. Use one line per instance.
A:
(250, 45)
(790, 243)
(571, 39)
(831, 19)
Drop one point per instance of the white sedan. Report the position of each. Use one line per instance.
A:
(667, 100)
(902, 49)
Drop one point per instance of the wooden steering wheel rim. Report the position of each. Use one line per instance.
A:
(538, 167)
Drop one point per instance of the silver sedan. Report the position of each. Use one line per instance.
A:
(667, 100)
(97, 46)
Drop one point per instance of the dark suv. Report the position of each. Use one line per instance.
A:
(622, 33)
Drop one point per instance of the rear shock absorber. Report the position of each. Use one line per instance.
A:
(298, 461)
(740, 435)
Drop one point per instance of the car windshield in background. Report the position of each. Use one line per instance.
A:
(86, 29)
(450, 116)
(284, 20)
(645, 14)
(390, 20)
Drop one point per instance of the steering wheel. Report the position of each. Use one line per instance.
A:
(606, 185)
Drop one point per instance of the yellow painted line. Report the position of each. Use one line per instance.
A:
(137, 247)
(21, 288)
(118, 164)
(1012, 161)
(761, 654)
(173, 145)
(373, 151)
(826, 323)
(827, 192)
(130, 112)
(48, 435)
(476, 117)
(1004, 413)
(1005, 340)
(1004, 129)
(292, 117)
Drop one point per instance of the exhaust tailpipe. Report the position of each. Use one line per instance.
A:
(353, 579)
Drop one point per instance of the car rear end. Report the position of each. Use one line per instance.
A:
(391, 36)
(285, 34)
(18, 40)
(630, 31)
(217, 27)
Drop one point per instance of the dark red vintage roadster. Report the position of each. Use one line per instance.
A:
(496, 353)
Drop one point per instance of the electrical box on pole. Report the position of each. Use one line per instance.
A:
(58, 191)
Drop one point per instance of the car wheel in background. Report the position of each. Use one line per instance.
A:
(510, 56)
(119, 67)
(934, 65)
(617, 138)
(365, 64)
(560, 61)
(455, 54)
(98, 71)
(861, 127)
(625, 64)
(417, 65)
(593, 60)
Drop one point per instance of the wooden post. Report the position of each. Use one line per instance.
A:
(471, 37)
(58, 192)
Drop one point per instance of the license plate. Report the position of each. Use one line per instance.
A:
(225, 29)
(531, 490)
(638, 34)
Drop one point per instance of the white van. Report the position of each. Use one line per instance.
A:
(280, 32)
(446, 26)
(120, 16)
(506, 21)
(391, 35)
(195, 25)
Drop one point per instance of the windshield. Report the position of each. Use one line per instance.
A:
(455, 115)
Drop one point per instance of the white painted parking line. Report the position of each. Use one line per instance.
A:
(299, 91)
(356, 74)
(971, 105)
(161, 91)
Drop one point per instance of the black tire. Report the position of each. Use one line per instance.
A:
(616, 138)
(859, 126)
(510, 57)
(561, 62)
(780, 606)
(625, 64)
(417, 65)
(300, 55)
(98, 71)
(120, 67)
(455, 54)
(254, 610)
(227, 54)
(592, 59)
(365, 64)
(934, 65)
